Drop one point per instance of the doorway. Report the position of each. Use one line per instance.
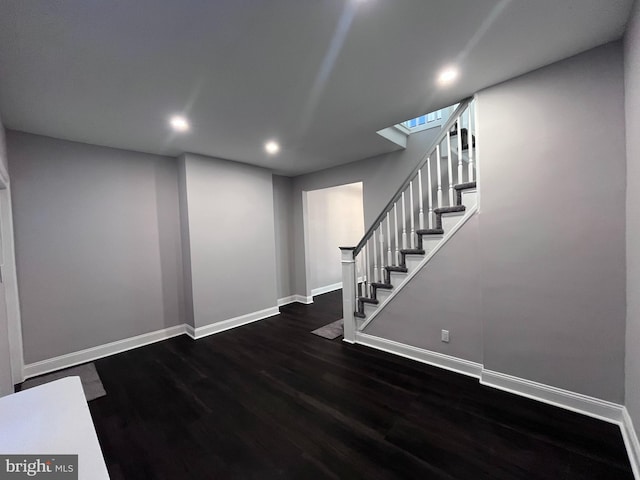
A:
(333, 218)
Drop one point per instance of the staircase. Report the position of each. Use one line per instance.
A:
(437, 198)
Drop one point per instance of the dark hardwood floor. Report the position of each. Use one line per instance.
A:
(270, 400)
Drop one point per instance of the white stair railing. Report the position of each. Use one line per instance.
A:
(366, 266)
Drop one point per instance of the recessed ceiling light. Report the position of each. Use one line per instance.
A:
(272, 147)
(447, 76)
(179, 123)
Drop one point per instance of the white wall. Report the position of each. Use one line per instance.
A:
(552, 224)
(632, 109)
(97, 243)
(334, 218)
(231, 238)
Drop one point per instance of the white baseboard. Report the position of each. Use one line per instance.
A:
(294, 298)
(584, 404)
(326, 289)
(630, 438)
(441, 360)
(218, 327)
(286, 300)
(94, 353)
(303, 299)
(189, 331)
(101, 351)
(576, 402)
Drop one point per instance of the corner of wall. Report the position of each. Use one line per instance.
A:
(185, 239)
(631, 49)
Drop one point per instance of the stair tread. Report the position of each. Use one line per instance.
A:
(368, 300)
(412, 251)
(465, 186)
(397, 269)
(430, 231)
(359, 315)
(382, 285)
(454, 209)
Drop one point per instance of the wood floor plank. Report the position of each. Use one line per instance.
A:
(271, 400)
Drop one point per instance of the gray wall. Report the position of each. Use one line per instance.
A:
(97, 244)
(381, 176)
(445, 294)
(552, 223)
(4, 160)
(232, 238)
(6, 383)
(550, 262)
(283, 214)
(185, 242)
(632, 90)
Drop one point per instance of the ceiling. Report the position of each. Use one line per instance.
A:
(320, 76)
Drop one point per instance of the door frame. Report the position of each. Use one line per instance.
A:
(10, 279)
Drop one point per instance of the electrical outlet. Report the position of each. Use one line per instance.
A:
(445, 336)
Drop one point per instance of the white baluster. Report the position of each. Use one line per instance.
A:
(421, 205)
(404, 224)
(363, 273)
(381, 237)
(368, 270)
(460, 170)
(360, 274)
(439, 176)
(470, 147)
(430, 192)
(395, 219)
(355, 277)
(413, 227)
(375, 258)
(389, 254)
(450, 167)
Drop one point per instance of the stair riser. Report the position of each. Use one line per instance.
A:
(369, 308)
(469, 198)
(430, 242)
(450, 220)
(397, 277)
(412, 261)
(383, 294)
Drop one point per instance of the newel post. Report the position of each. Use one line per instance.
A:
(348, 293)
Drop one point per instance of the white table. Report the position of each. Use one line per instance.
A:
(52, 419)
